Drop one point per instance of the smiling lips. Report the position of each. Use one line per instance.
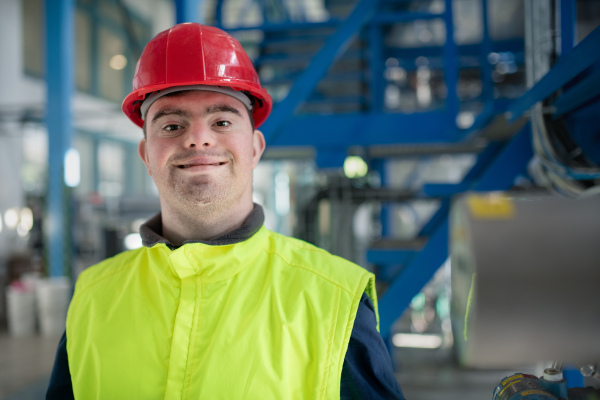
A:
(200, 164)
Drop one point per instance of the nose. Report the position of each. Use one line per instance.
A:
(199, 135)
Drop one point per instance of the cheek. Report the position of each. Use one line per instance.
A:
(157, 158)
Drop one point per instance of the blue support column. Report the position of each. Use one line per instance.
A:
(187, 11)
(380, 166)
(568, 19)
(376, 67)
(486, 70)
(450, 67)
(59, 79)
(219, 13)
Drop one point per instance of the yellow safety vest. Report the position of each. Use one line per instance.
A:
(266, 318)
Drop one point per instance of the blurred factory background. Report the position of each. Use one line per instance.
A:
(450, 146)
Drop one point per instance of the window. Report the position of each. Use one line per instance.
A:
(105, 60)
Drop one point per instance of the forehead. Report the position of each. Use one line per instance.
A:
(194, 101)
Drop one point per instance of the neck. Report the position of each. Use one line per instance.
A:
(203, 226)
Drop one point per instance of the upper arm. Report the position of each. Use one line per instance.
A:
(367, 372)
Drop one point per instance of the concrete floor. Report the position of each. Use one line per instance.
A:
(26, 364)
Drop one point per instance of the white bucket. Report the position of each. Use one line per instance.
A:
(20, 307)
(53, 297)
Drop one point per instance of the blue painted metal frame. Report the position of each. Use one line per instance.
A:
(365, 129)
(407, 16)
(413, 278)
(187, 11)
(578, 95)
(305, 84)
(568, 67)
(450, 68)
(496, 169)
(376, 67)
(487, 92)
(568, 23)
(60, 22)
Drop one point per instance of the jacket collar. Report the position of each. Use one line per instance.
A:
(151, 231)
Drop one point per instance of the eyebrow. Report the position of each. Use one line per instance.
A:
(170, 111)
(215, 108)
(222, 107)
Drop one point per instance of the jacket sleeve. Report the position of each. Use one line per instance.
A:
(367, 372)
(60, 386)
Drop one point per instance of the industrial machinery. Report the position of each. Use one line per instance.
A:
(550, 386)
(525, 283)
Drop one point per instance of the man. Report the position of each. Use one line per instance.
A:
(215, 306)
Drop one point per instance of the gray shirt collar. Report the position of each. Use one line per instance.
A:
(151, 231)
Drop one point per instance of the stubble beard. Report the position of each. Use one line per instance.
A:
(200, 195)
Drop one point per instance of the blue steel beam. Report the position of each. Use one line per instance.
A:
(568, 67)
(508, 164)
(365, 129)
(59, 79)
(474, 49)
(578, 95)
(277, 27)
(187, 11)
(486, 68)
(380, 166)
(448, 190)
(305, 84)
(389, 256)
(438, 218)
(376, 67)
(500, 174)
(450, 68)
(394, 18)
(219, 13)
(568, 19)
(413, 277)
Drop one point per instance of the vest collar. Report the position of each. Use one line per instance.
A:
(151, 231)
(213, 260)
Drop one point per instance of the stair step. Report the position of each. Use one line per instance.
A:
(342, 77)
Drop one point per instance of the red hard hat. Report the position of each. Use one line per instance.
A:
(195, 54)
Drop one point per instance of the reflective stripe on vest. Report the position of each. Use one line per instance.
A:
(268, 318)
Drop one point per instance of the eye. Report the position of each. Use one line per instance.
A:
(172, 127)
(223, 124)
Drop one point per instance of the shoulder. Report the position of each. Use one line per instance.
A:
(107, 269)
(296, 253)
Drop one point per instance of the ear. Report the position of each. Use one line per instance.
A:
(143, 153)
(258, 142)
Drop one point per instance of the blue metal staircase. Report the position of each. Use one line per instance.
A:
(329, 80)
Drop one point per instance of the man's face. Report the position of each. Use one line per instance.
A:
(200, 150)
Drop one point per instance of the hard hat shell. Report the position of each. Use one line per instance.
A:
(195, 54)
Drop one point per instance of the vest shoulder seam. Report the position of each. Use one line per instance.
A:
(291, 264)
(92, 281)
(305, 246)
(330, 355)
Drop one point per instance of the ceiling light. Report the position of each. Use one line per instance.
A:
(118, 62)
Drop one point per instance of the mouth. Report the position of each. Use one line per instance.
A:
(217, 164)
